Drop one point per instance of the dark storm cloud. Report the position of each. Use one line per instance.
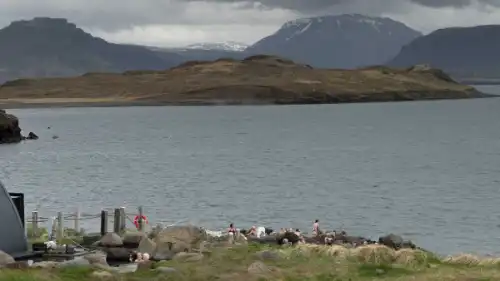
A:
(112, 15)
(314, 5)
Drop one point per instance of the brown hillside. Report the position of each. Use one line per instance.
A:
(254, 80)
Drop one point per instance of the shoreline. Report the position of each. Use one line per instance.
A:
(77, 102)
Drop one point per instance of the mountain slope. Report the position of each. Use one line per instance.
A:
(45, 47)
(463, 52)
(344, 41)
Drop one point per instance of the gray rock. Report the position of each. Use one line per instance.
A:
(117, 254)
(126, 268)
(132, 239)
(45, 264)
(392, 241)
(5, 259)
(97, 258)
(111, 239)
(258, 268)
(167, 270)
(267, 255)
(74, 263)
(146, 246)
(188, 257)
(162, 253)
(181, 238)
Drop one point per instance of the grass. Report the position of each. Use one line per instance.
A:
(304, 262)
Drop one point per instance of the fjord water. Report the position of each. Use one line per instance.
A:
(429, 171)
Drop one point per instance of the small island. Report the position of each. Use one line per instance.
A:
(254, 80)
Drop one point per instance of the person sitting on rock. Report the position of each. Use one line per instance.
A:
(252, 231)
(231, 230)
(299, 234)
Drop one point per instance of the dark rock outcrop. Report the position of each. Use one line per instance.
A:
(9, 128)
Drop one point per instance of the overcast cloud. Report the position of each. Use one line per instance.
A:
(180, 22)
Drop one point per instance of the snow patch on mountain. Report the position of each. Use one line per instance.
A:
(223, 46)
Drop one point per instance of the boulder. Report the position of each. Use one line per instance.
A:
(258, 268)
(188, 257)
(269, 240)
(167, 270)
(5, 259)
(291, 237)
(132, 239)
(267, 255)
(32, 136)
(117, 254)
(146, 246)
(45, 264)
(162, 254)
(97, 258)
(145, 265)
(111, 239)
(391, 241)
(9, 128)
(180, 238)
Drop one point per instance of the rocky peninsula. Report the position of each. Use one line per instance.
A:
(254, 80)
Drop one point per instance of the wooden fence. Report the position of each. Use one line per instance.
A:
(118, 215)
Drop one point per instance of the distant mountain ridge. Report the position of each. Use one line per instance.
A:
(464, 52)
(222, 46)
(342, 41)
(51, 47)
(54, 47)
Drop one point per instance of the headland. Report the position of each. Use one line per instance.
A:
(255, 80)
(187, 253)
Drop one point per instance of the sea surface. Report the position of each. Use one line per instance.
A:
(429, 171)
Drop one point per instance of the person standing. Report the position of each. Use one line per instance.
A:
(316, 230)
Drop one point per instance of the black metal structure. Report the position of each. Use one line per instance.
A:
(13, 239)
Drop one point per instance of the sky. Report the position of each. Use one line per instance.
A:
(171, 23)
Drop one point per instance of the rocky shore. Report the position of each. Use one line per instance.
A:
(10, 132)
(255, 80)
(9, 128)
(191, 253)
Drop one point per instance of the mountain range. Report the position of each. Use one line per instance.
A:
(55, 47)
(345, 41)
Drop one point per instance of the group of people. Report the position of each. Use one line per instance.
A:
(262, 231)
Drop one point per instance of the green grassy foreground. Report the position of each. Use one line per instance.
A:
(304, 262)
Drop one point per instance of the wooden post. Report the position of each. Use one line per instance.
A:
(104, 222)
(77, 221)
(117, 221)
(141, 223)
(123, 221)
(60, 227)
(34, 224)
